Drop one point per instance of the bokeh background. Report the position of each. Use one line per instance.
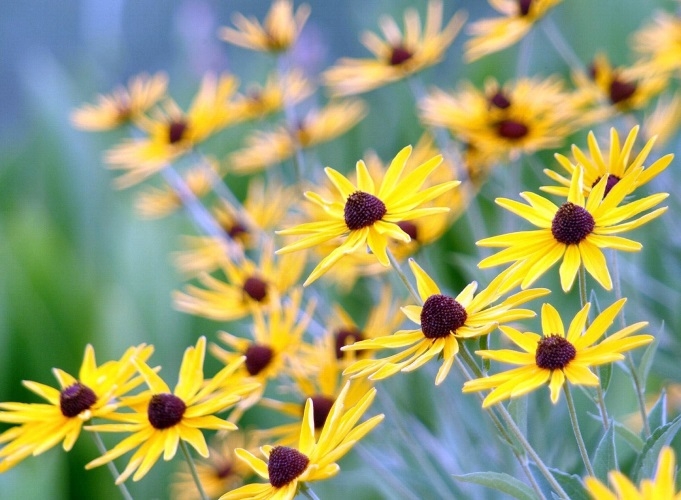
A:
(78, 266)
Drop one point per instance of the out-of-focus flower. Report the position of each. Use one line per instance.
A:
(277, 92)
(659, 43)
(664, 121)
(122, 105)
(556, 357)
(399, 55)
(278, 32)
(493, 35)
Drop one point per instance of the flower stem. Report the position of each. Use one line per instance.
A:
(403, 277)
(307, 491)
(575, 428)
(112, 467)
(192, 469)
(561, 45)
(292, 122)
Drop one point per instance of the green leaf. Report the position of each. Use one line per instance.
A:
(571, 483)
(647, 460)
(647, 359)
(517, 407)
(484, 345)
(605, 458)
(629, 436)
(501, 482)
(605, 375)
(658, 414)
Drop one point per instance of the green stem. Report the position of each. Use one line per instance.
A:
(575, 428)
(403, 277)
(583, 299)
(192, 469)
(291, 121)
(561, 45)
(112, 467)
(307, 491)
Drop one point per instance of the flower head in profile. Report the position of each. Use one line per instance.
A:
(660, 487)
(555, 356)
(163, 417)
(122, 105)
(95, 393)
(260, 101)
(398, 55)
(277, 33)
(443, 322)
(314, 458)
(503, 121)
(575, 231)
(495, 34)
(615, 165)
(367, 215)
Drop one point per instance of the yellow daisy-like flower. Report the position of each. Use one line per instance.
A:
(615, 166)
(556, 357)
(661, 487)
(264, 149)
(664, 121)
(659, 43)
(399, 55)
(95, 393)
(519, 117)
(122, 105)
(278, 33)
(443, 322)
(368, 216)
(172, 133)
(575, 232)
(277, 92)
(493, 35)
(314, 459)
(162, 418)
(249, 287)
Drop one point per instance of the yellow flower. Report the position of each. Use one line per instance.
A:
(95, 393)
(122, 105)
(368, 216)
(264, 149)
(663, 122)
(443, 322)
(555, 356)
(575, 232)
(314, 459)
(615, 166)
(659, 43)
(399, 55)
(162, 418)
(248, 287)
(523, 116)
(493, 35)
(277, 92)
(278, 33)
(172, 133)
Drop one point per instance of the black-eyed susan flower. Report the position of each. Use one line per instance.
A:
(366, 215)
(248, 287)
(443, 322)
(575, 231)
(399, 55)
(278, 32)
(122, 105)
(170, 133)
(557, 356)
(660, 487)
(614, 165)
(260, 101)
(664, 120)
(524, 116)
(95, 393)
(659, 43)
(495, 34)
(264, 149)
(314, 459)
(161, 417)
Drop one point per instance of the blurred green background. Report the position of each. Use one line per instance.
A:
(77, 266)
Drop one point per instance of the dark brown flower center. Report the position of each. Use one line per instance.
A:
(75, 399)
(554, 353)
(511, 129)
(165, 410)
(255, 288)
(321, 407)
(609, 184)
(236, 230)
(362, 210)
(224, 470)
(621, 91)
(410, 228)
(258, 356)
(346, 336)
(176, 130)
(399, 55)
(441, 316)
(524, 7)
(571, 224)
(500, 100)
(285, 465)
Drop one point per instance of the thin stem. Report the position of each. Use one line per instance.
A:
(561, 45)
(291, 121)
(575, 428)
(112, 467)
(403, 277)
(192, 469)
(307, 491)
